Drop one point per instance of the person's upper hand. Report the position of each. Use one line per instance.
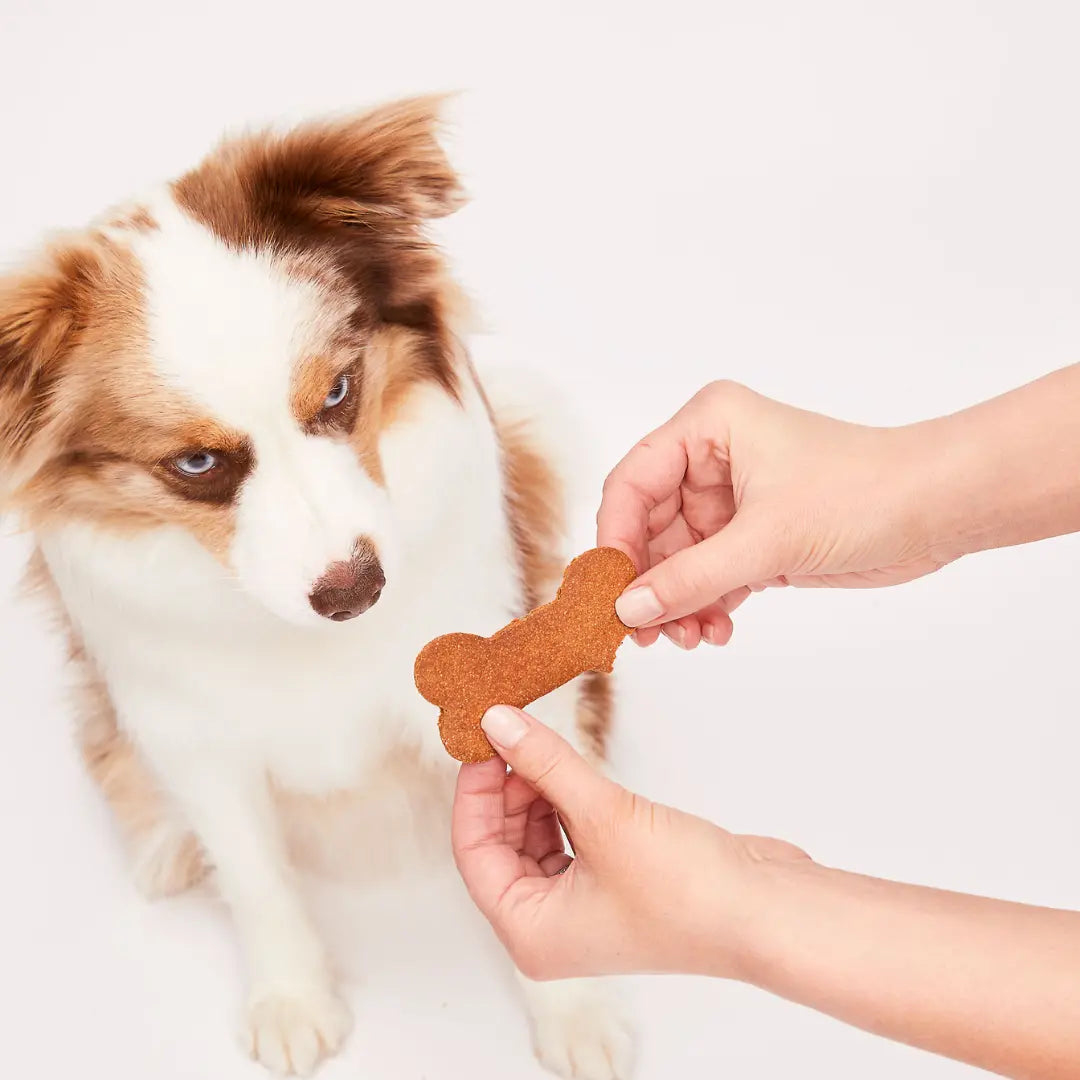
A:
(649, 888)
(737, 492)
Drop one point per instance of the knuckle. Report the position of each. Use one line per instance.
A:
(603, 817)
(610, 482)
(547, 761)
(722, 390)
(618, 475)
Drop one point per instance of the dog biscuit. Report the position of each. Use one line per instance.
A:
(464, 675)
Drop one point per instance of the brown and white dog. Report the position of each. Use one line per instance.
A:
(261, 473)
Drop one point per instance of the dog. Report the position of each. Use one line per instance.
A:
(261, 471)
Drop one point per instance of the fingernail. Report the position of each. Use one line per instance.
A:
(708, 635)
(638, 606)
(676, 633)
(504, 726)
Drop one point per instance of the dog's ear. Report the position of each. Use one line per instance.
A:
(385, 163)
(381, 168)
(354, 192)
(38, 314)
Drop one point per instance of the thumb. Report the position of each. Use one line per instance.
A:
(742, 553)
(547, 762)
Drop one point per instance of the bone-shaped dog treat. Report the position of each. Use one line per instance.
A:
(578, 631)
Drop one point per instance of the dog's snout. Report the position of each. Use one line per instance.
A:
(348, 589)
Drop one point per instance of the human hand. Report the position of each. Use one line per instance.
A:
(736, 493)
(649, 888)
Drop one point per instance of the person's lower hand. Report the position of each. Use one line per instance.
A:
(649, 888)
(737, 493)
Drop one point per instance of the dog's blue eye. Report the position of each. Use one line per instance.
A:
(338, 392)
(196, 464)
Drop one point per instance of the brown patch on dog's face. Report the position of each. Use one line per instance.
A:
(123, 471)
(377, 370)
(328, 390)
(337, 394)
(321, 378)
(87, 430)
(394, 364)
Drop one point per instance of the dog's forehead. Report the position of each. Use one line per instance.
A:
(228, 328)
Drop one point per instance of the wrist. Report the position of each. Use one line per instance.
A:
(941, 502)
(775, 897)
(730, 928)
(1000, 473)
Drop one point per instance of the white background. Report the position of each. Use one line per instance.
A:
(867, 209)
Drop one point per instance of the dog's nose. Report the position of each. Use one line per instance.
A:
(348, 589)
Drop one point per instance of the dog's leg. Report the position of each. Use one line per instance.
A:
(165, 856)
(579, 1026)
(295, 1016)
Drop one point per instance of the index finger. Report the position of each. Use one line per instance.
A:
(488, 865)
(644, 478)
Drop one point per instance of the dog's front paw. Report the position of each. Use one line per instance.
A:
(291, 1031)
(589, 1047)
(579, 1030)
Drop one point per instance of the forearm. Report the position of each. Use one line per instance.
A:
(1006, 471)
(983, 981)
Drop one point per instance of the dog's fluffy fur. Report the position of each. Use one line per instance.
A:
(229, 725)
